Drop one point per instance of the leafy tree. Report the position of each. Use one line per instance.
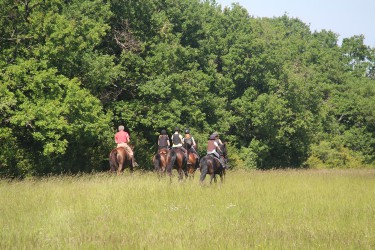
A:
(50, 123)
(279, 94)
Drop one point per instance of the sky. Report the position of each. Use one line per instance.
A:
(343, 17)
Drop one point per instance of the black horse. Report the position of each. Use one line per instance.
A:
(211, 165)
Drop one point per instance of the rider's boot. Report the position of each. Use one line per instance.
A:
(196, 153)
(184, 150)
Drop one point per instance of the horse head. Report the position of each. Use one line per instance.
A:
(224, 153)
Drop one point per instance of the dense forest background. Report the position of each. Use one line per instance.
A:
(279, 94)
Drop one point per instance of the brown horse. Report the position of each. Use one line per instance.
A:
(192, 163)
(176, 159)
(192, 159)
(160, 161)
(211, 165)
(119, 158)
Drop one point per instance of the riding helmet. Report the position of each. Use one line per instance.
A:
(187, 131)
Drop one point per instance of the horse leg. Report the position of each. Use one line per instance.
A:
(212, 178)
(163, 167)
(197, 164)
(185, 168)
(119, 162)
(119, 169)
(111, 167)
(113, 162)
(187, 172)
(223, 175)
(158, 168)
(169, 172)
(180, 174)
(203, 174)
(131, 165)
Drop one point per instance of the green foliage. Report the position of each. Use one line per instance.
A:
(333, 155)
(53, 118)
(72, 71)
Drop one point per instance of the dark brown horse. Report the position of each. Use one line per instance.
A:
(119, 158)
(176, 159)
(160, 161)
(211, 165)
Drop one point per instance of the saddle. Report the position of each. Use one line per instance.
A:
(195, 156)
(213, 155)
(163, 151)
(218, 159)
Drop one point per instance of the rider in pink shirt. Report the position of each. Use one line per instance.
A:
(122, 136)
(122, 139)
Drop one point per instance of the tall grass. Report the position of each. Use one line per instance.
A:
(251, 210)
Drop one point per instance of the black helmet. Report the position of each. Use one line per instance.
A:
(176, 129)
(163, 132)
(187, 131)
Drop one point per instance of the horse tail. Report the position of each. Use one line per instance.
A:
(204, 168)
(113, 160)
(172, 159)
(157, 157)
(157, 162)
(120, 157)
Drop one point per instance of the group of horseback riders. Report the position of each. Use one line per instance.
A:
(188, 145)
(185, 143)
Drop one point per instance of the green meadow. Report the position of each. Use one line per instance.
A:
(289, 209)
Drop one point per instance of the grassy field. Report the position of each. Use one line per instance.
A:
(313, 209)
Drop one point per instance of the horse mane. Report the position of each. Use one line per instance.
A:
(223, 149)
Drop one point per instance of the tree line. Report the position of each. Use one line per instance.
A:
(279, 94)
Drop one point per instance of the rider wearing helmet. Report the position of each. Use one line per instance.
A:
(163, 140)
(217, 139)
(214, 149)
(189, 142)
(177, 141)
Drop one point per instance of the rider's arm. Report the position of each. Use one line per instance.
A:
(217, 147)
